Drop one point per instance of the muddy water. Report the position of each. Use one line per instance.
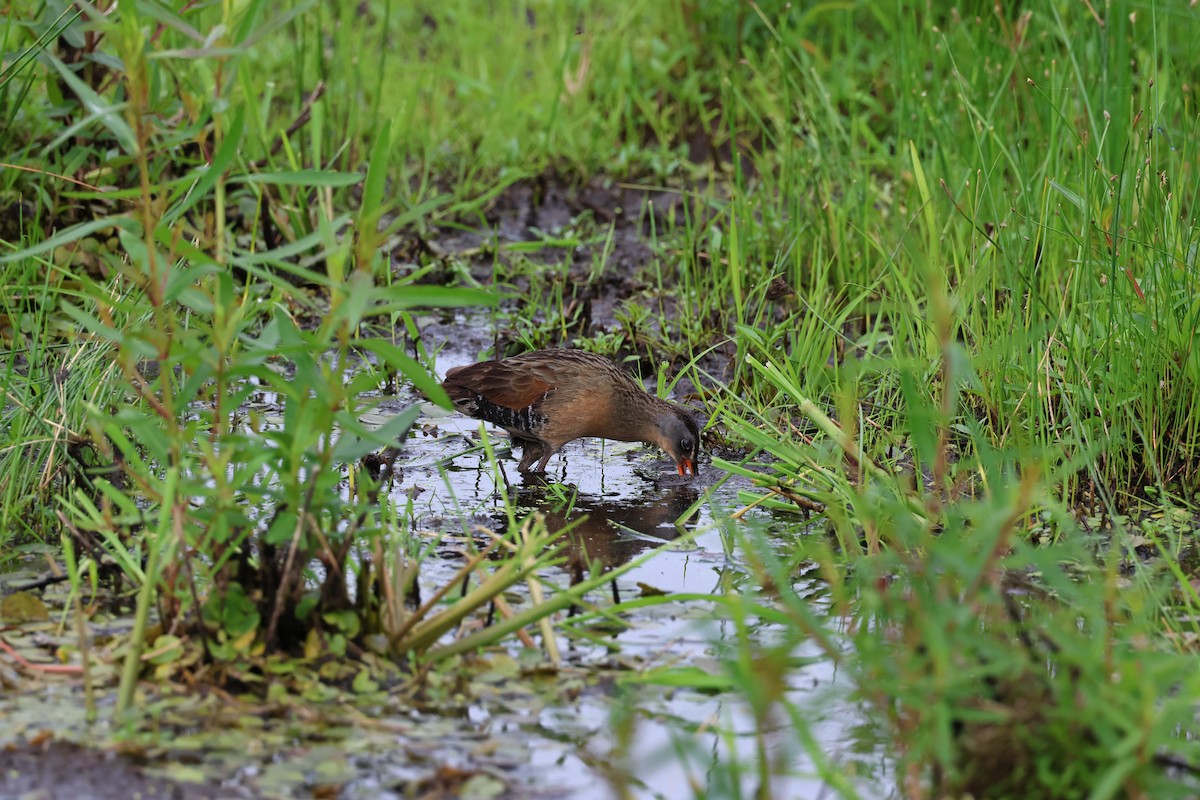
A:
(531, 741)
(630, 502)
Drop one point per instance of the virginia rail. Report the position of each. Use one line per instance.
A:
(546, 398)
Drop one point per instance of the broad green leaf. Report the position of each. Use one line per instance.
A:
(93, 325)
(71, 234)
(357, 439)
(685, 677)
(394, 356)
(376, 175)
(304, 177)
(1073, 198)
(400, 298)
(109, 115)
(210, 174)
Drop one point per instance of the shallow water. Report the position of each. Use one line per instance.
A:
(533, 742)
(630, 501)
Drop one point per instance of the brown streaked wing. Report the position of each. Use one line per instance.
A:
(497, 382)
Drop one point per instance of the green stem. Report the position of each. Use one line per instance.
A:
(137, 643)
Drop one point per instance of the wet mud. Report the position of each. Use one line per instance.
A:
(595, 242)
(56, 770)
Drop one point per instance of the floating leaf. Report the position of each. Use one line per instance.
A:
(167, 649)
(23, 607)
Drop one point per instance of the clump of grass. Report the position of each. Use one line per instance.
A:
(242, 535)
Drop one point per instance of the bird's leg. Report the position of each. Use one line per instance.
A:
(530, 450)
(547, 451)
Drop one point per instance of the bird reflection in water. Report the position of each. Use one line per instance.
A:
(608, 533)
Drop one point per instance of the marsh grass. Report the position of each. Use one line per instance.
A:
(942, 258)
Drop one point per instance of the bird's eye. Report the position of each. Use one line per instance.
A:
(685, 444)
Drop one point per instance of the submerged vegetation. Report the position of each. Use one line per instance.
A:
(928, 269)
